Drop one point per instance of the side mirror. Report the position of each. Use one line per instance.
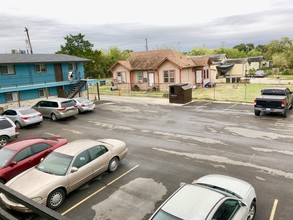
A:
(73, 169)
(13, 163)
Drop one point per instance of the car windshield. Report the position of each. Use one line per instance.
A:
(162, 215)
(55, 163)
(5, 155)
(279, 92)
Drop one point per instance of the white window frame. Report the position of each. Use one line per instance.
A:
(40, 68)
(11, 97)
(72, 67)
(10, 70)
(121, 77)
(171, 76)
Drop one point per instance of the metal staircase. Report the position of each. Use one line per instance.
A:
(76, 88)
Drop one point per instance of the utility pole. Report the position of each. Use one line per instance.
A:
(29, 41)
(146, 45)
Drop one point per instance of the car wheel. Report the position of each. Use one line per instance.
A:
(3, 141)
(113, 164)
(53, 117)
(252, 211)
(56, 198)
(17, 124)
(257, 113)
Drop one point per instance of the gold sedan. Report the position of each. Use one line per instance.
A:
(64, 170)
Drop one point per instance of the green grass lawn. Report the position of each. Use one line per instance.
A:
(222, 92)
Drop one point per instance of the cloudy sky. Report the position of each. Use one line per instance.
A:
(126, 24)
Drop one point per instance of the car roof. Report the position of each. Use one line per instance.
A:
(19, 108)
(192, 202)
(23, 143)
(77, 146)
(57, 99)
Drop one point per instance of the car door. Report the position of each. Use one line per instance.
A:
(40, 107)
(19, 163)
(83, 173)
(100, 156)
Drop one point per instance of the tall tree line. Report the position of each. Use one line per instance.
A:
(280, 52)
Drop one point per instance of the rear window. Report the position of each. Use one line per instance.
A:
(27, 111)
(273, 92)
(68, 103)
(5, 124)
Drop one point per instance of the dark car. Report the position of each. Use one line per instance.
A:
(21, 155)
(260, 73)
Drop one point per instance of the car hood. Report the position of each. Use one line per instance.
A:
(35, 181)
(234, 185)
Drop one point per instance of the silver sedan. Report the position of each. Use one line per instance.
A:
(23, 116)
(64, 170)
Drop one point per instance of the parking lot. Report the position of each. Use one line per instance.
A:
(173, 143)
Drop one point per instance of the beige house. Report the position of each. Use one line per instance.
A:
(232, 70)
(157, 69)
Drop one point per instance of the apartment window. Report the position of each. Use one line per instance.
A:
(143, 76)
(121, 77)
(11, 97)
(40, 68)
(42, 92)
(72, 67)
(7, 70)
(169, 76)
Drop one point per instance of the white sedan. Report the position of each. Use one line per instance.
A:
(64, 170)
(212, 197)
(84, 105)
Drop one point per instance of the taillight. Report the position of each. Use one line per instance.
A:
(39, 114)
(25, 118)
(16, 129)
(283, 103)
(61, 109)
(83, 105)
(75, 106)
(254, 101)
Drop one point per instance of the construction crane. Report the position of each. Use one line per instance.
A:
(28, 40)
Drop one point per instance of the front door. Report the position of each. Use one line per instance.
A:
(151, 81)
(198, 76)
(59, 78)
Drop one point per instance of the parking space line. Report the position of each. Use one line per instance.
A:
(272, 216)
(230, 107)
(99, 190)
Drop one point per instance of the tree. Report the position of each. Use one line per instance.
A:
(77, 46)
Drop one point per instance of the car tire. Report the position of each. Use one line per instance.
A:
(257, 112)
(17, 124)
(53, 117)
(56, 198)
(3, 141)
(284, 115)
(113, 164)
(252, 211)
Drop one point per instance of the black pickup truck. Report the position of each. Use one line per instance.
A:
(274, 100)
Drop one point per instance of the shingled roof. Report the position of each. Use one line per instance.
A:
(201, 60)
(39, 58)
(150, 60)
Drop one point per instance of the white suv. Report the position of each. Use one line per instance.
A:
(8, 131)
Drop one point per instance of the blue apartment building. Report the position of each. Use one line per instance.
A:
(31, 76)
